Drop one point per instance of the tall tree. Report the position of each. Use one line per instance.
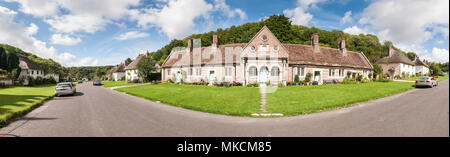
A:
(3, 60)
(435, 69)
(128, 61)
(146, 67)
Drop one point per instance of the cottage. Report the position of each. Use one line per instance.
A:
(52, 75)
(421, 67)
(131, 71)
(264, 59)
(29, 68)
(396, 64)
(118, 72)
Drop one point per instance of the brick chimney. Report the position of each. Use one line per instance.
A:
(315, 42)
(391, 51)
(215, 41)
(147, 53)
(342, 47)
(190, 45)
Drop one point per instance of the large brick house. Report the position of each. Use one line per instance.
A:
(263, 59)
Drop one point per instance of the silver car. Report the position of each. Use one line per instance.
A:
(426, 82)
(66, 88)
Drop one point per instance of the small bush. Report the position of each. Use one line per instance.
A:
(308, 77)
(348, 81)
(384, 80)
(296, 79)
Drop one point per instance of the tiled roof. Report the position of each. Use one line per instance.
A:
(303, 54)
(397, 57)
(205, 55)
(26, 63)
(298, 54)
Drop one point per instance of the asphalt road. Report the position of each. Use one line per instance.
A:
(99, 111)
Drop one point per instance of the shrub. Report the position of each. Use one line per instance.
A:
(169, 81)
(308, 77)
(122, 78)
(31, 81)
(280, 84)
(288, 83)
(51, 80)
(135, 80)
(296, 79)
(268, 83)
(359, 78)
(384, 80)
(234, 83)
(348, 81)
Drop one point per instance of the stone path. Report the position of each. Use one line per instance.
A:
(263, 92)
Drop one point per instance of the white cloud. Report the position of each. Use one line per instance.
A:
(80, 15)
(355, 30)
(299, 15)
(440, 41)
(347, 18)
(65, 40)
(132, 35)
(437, 55)
(222, 6)
(38, 8)
(175, 18)
(406, 21)
(12, 33)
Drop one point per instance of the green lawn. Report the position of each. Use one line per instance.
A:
(240, 101)
(308, 99)
(15, 101)
(117, 83)
(440, 78)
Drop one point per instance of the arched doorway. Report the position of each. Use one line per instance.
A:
(263, 75)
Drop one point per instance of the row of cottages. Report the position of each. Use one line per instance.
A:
(30, 68)
(397, 65)
(263, 59)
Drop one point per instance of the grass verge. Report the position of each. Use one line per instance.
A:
(17, 101)
(297, 100)
(117, 83)
(239, 101)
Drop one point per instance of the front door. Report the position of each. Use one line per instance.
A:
(317, 76)
(263, 75)
(212, 77)
(178, 77)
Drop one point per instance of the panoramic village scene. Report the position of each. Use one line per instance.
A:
(224, 68)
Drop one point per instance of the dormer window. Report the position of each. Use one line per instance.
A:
(264, 38)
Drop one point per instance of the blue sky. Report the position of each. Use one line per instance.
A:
(105, 32)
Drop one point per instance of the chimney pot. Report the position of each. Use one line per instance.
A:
(391, 51)
(190, 45)
(216, 38)
(342, 47)
(315, 42)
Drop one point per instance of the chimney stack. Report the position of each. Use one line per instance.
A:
(147, 53)
(391, 51)
(215, 41)
(315, 42)
(342, 47)
(190, 44)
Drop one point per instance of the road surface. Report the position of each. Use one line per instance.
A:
(98, 111)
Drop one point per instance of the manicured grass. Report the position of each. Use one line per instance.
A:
(16, 101)
(440, 78)
(117, 83)
(296, 100)
(240, 101)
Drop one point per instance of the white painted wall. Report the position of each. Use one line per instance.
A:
(407, 69)
(118, 75)
(423, 69)
(130, 75)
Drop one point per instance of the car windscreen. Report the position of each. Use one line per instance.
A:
(423, 78)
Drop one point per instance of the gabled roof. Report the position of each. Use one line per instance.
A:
(418, 62)
(26, 63)
(118, 68)
(133, 64)
(397, 57)
(205, 55)
(304, 54)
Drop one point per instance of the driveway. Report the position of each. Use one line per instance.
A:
(99, 111)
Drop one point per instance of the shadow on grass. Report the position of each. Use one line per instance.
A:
(13, 106)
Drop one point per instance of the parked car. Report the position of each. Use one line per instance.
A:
(426, 82)
(66, 88)
(97, 83)
(80, 81)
